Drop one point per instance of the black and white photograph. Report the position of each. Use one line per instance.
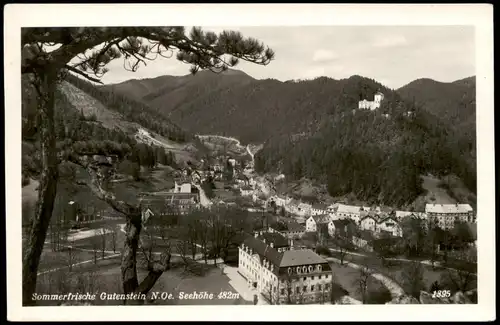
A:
(212, 163)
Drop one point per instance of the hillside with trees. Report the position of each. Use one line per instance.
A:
(454, 102)
(77, 132)
(234, 104)
(377, 159)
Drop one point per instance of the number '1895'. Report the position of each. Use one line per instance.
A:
(441, 294)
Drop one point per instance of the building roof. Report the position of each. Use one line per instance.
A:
(319, 206)
(448, 208)
(343, 208)
(370, 216)
(293, 226)
(388, 217)
(264, 250)
(273, 237)
(300, 257)
(323, 218)
(401, 214)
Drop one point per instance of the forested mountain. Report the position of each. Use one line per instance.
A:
(454, 102)
(252, 110)
(83, 132)
(309, 128)
(379, 160)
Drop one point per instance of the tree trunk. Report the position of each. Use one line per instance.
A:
(47, 188)
(129, 262)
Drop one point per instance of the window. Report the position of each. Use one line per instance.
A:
(319, 287)
(327, 286)
(282, 291)
(319, 277)
(312, 288)
(297, 290)
(305, 288)
(305, 278)
(312, 278)
(326, 276)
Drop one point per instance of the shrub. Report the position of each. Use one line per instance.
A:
(322, 250)
(378, 296)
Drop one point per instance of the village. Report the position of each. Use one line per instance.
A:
(297, 238)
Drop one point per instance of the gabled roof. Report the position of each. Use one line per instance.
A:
(343, 208)
(319, 206)
(273, 237)
(323, 218)
(301, 257)
(448, 208)
(264, 251)
(388, 217)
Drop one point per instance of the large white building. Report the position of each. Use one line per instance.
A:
(445, 215)
(281, 274)
(372, 105)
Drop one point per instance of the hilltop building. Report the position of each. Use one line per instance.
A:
(372, 105)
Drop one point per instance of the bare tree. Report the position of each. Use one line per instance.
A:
(412, 279)
(332, 290)
(103, 234)
(342, 245)
(72, 257)
(96, 244)
(462, 278)
(182, 249)
(362, 281)
(49, 53)
(113, 231)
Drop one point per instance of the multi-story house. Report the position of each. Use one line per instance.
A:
(285, 276)
(294, 231)
(391, 225)
(313, 222)
(344, 228)
(350, 212)
(369, 222)
(319, 209)
(182, 187)
(445, 215)
(304, 209)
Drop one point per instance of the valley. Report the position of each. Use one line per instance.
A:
(242, 178)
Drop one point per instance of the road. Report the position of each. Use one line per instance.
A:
(425, 262)
(390, 284)
(204, 200)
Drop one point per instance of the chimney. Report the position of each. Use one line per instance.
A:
(291, 243)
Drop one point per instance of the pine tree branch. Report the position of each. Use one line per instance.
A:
(86, 76)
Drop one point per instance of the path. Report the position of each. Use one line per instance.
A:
(425, 262)
(79, 263)
(204, 200)
(390, 284)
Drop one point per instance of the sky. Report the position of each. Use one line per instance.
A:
(392, 55)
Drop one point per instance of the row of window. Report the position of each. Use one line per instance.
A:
(312, 278)
(318, 287)
(304, 269)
